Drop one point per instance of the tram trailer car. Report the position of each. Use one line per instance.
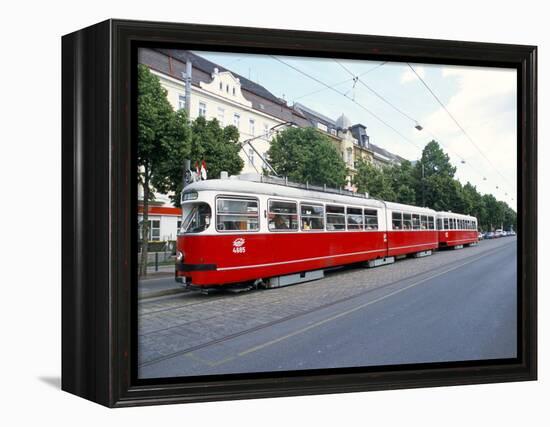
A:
(240, 231)
(456, 230)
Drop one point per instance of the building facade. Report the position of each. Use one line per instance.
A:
(218, 93)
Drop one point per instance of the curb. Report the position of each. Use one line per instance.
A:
(164, 292)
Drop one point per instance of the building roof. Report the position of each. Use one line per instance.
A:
(209, 66)
(385, 153)
(314, 116)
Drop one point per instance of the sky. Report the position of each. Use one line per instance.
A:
(390, 99)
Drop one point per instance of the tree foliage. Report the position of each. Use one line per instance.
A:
(205, 140)
(305, 155)
(161, 135)
(431, 183)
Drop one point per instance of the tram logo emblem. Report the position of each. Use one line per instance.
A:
(238, 246)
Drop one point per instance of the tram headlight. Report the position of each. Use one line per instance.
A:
(179, 256)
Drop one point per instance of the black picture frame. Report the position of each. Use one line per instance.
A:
(99, 203)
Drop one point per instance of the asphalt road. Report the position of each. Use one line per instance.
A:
(460, 308)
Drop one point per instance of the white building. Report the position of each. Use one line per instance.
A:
(219, 94)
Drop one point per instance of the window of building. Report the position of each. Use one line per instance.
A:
(251, 126)
(371, 219)
(181, 102)
(154, 230)
(236, 120)
(202, 109)
(234, 91)
(322, 127)
(282, 216)
(336, 218)
(227, 88)
(221, 115)
(397, 220)
(266, 130)
(312, 217)
(221, 86)
(354, 218)
(237, 214)
(416, 221)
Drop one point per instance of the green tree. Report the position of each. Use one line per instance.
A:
(161, 133)
(207, 140)
(218, 146)
(375, 181)
(305, 155)
(434, 179)
(403, 182)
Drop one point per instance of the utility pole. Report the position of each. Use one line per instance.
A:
(188, 83)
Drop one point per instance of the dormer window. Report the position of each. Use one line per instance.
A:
(227, 88)
(221, 86)
(233, 90)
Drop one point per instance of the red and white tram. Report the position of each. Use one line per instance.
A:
(243, 231)
(456, 230)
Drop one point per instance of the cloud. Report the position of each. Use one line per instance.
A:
(485, 106)
(408, 76)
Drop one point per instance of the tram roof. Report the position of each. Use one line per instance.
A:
(281, 188)
(449, 214)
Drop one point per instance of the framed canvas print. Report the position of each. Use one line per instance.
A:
(257, 213)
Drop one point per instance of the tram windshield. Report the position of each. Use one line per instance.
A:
(198, 218)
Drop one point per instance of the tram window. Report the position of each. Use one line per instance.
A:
(237, 215)
(453, 223)
(371, 219)
(397, 220)
(354, 218)
(407, 221)
(446, 224)
(336, 218)
(416, 222)
(312, 217)
(282, 215)
(439, 224)
(198, 218)
(423, 222)
(431, 223)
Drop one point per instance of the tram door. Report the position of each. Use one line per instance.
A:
(385, 226)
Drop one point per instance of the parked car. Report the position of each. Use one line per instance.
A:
(480, 236)
(490, 235)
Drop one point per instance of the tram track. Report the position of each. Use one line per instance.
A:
(418, 276)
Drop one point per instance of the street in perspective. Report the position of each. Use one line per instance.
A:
(456, 305)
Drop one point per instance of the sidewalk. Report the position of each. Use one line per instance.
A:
(159, 283)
